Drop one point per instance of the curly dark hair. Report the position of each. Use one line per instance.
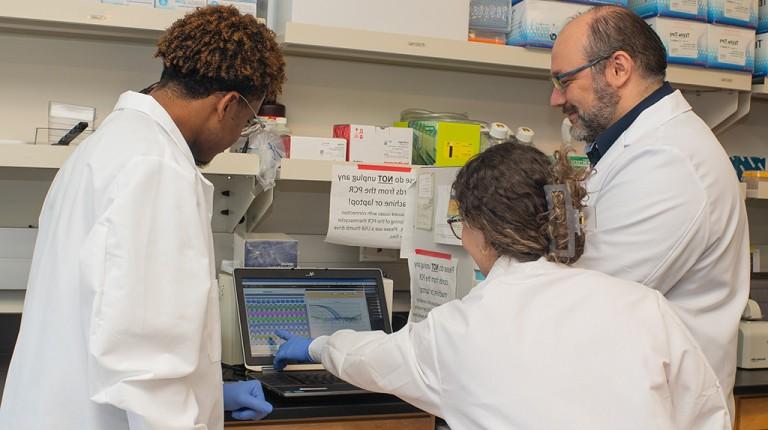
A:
(501, 193)
(216, 48)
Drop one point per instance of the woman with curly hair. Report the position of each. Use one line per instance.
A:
(120, 328)
(538, 344)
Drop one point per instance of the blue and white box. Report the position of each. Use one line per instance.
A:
(761, 55)
(684, 40)
(622, 3)
(537, 22)
(266, 250)
(179, 4)
(686, 9)
(762, 16)
(741, 13)
(731, 48)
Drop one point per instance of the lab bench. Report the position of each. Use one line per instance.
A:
(751, 391)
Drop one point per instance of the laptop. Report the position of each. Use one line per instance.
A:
(309, 303)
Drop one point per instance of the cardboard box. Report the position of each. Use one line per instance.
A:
(731, 48)
(444, 19)
(761, 55)
(686, 9)
(316, 148)
(443, 143)
(378, 145)
(684, 40)
(266, 250)
(740, 13)
(537, 22)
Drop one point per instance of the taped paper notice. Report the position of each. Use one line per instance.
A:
(433, 281)
(368, 204)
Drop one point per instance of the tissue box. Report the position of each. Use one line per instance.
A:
(731, 48)
(266, 250)
(443, 143)
(687, 9)
(378, 145)
(316, 148)
(741, 13)
(537, 22)
(684, 40)
(444, 19)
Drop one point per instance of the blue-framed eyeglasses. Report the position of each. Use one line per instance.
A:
(557, 80)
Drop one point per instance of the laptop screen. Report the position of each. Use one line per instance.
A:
(309, 307)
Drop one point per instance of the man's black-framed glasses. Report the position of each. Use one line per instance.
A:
(456, 223)
(557, 80)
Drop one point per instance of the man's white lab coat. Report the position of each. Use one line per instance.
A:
(541, 346)
(121, 326)
(668, 214)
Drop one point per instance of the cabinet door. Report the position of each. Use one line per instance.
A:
(751, 413)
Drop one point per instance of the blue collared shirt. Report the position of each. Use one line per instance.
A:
(605, 140)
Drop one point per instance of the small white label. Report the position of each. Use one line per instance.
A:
(737, 9)
(683, 43)
(731, 51)
(690, 7)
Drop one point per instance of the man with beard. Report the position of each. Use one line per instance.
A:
(667, 208)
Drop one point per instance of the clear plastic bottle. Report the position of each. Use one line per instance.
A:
(498, 132)
(524, 135)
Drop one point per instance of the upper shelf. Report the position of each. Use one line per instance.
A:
(358, 45)
(87, 18)
(52, 157)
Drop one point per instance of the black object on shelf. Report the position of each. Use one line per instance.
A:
(72, 133)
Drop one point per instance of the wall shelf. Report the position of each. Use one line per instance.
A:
(52, 157)
(308, 170)
(358, 45)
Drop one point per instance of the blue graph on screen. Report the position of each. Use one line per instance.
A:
(334, 315)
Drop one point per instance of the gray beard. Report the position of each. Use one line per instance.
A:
(591, 123)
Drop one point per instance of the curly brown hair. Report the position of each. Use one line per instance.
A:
(501, 193)
(216, 48)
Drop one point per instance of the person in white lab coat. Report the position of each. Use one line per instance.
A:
(537, 345)
(120, 327)
(667, 208)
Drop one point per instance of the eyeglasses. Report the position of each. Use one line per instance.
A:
(557, 80)
(254, 123)
(456, 223)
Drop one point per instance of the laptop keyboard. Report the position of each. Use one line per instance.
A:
(300, 378)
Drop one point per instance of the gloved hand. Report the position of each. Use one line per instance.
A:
(295, 348)
(246, 400)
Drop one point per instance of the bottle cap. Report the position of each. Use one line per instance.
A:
(524, 135)
(499, 130)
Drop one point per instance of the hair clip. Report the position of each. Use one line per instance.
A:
(571, 219)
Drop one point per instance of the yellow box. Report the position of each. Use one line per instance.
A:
(439, 143)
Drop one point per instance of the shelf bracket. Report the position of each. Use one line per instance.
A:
(232, 197)
(719, 109)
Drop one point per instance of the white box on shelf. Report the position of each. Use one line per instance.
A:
(687, 9)
(444, 19)
(731, 48)
(741, 13)
(684, 40)
(761, 55)
(537, 22)
(316, 148)
(244, 6)
(373, 144)
(179, 4)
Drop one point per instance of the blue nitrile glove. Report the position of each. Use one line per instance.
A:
(295, 348)
(246, 400)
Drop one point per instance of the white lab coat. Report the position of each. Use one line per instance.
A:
(120, 326)
(541, 346)
(668, 214)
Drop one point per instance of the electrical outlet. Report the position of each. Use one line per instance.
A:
(378, 254)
